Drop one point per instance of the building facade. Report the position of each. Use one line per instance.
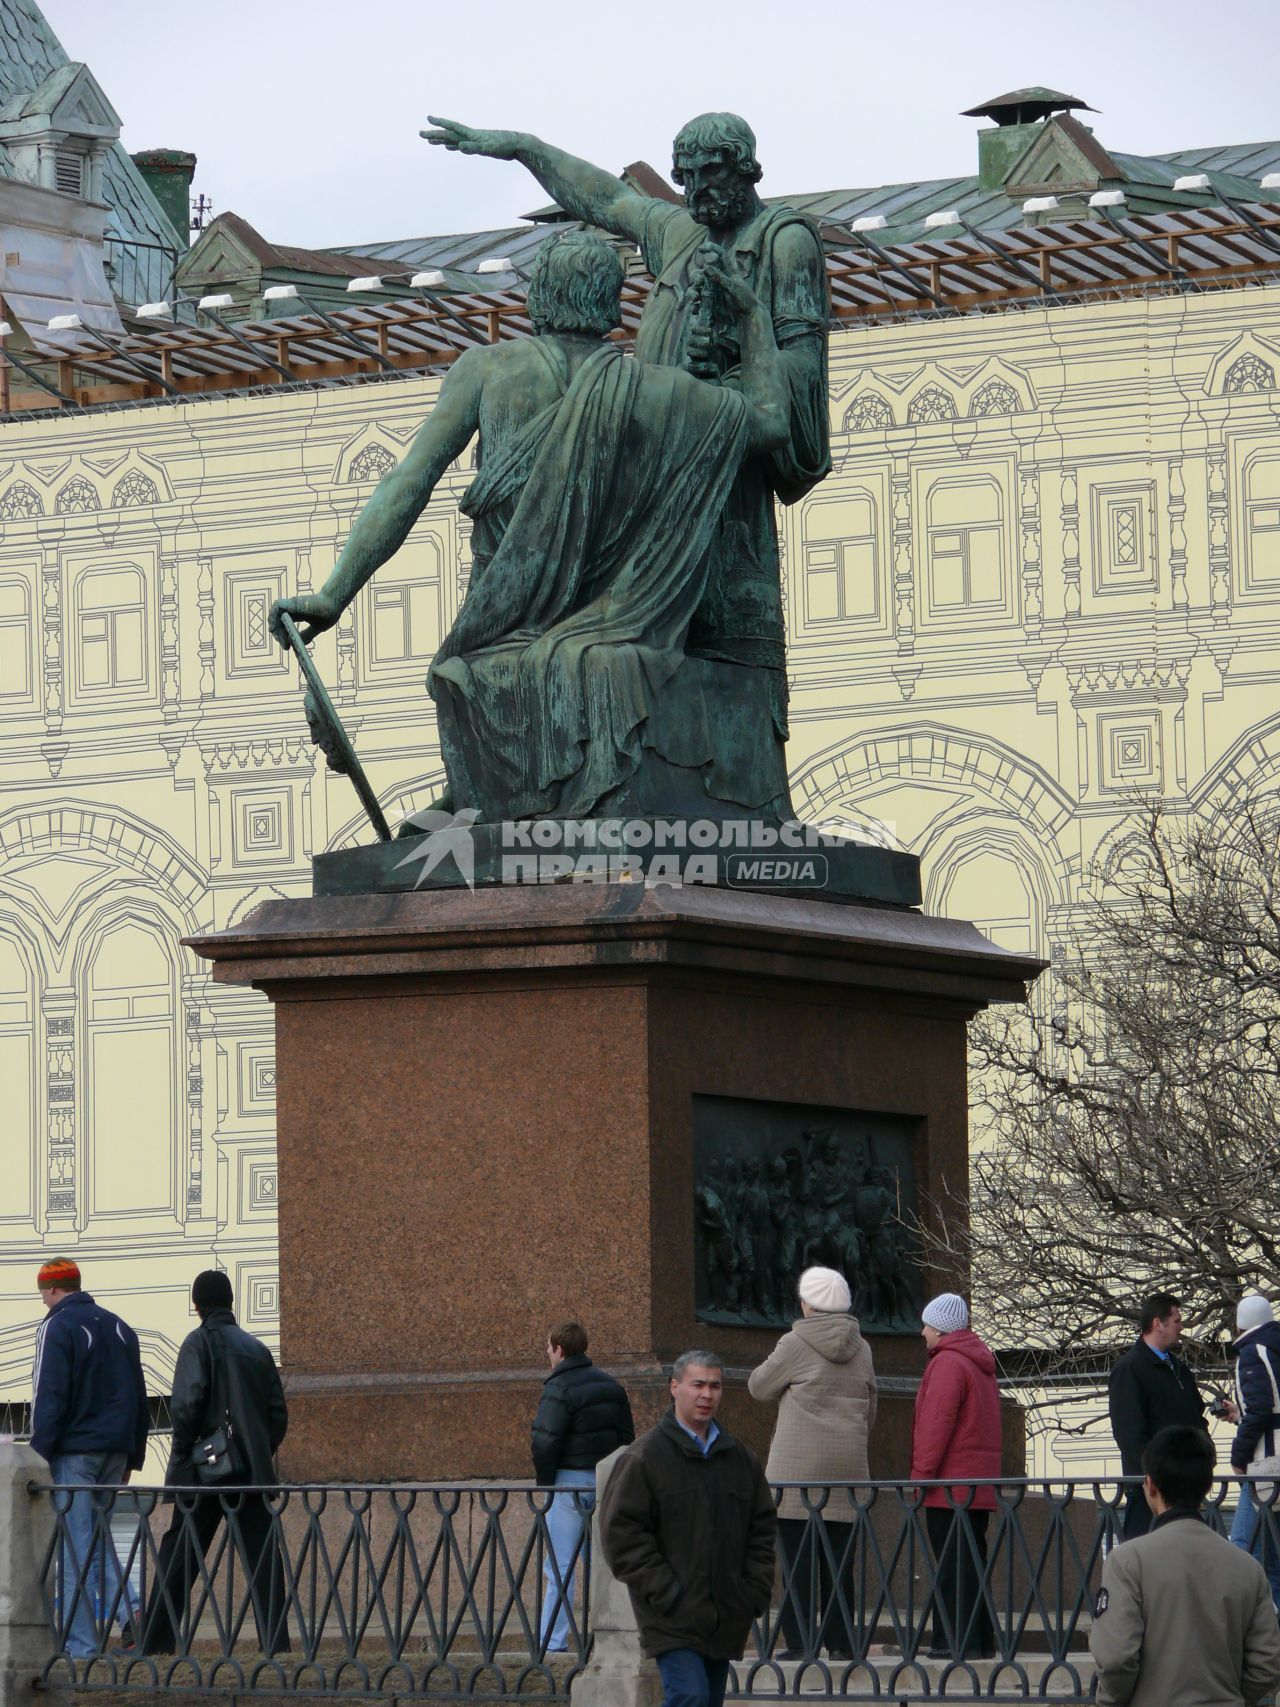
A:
(1042, 578)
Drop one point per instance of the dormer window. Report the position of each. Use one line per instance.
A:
(68, 172)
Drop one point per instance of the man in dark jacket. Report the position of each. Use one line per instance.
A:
(688, 1523)
(89, 1418)
(224, 1376)
(583, 1417)
(1255, 1451)
(1150, 1389)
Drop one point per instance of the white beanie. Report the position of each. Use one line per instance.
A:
(824, 1289)
(948, 1312)
(1251, 1312)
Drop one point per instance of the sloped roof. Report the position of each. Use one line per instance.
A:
(1234, 172)
(29, 54)
(286, 257)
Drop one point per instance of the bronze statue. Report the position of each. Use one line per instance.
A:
(601, 483)
(735, 640)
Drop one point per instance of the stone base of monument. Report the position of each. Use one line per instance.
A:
(502, 1108)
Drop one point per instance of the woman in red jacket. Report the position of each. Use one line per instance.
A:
(957, 1434)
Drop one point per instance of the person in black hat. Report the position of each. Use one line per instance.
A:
(229, 1417)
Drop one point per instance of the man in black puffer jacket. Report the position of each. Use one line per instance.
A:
(222, 1373)
(583, 1417)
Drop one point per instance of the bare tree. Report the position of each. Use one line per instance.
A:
(1129, 1121)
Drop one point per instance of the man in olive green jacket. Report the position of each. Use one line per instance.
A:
(1182, 1617)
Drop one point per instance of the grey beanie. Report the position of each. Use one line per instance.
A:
(948, 1313)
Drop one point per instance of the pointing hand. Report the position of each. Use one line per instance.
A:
(463, 139)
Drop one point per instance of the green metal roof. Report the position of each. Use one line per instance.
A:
(29, 54)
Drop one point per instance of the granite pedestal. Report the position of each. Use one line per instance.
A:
(485, 1123)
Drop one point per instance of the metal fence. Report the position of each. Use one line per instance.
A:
(449, 1593)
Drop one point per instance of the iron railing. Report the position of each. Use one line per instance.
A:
(449, 1593)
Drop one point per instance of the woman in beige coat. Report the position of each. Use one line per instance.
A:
(822, 1376)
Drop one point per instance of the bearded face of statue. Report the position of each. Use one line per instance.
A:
(716, 193)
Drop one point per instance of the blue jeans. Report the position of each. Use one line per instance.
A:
(89, 1578)
(1264, 1547)
(689, 1679)
(567, 1518)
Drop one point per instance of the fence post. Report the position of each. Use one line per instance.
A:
(26, 1530)
(617, 1674)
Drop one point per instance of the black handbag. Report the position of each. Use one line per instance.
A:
(213, 1457)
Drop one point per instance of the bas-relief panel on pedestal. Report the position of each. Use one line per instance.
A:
(779, 1187)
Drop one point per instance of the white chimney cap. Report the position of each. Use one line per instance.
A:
(372, 282)
(1270, 182)
(425, 280)
(66, 323)
(1107, 198)
(944, 216)
(273, 293)
(217, 301)
(1194, 181)
(154, 311)
(869, 222)
(1039, 204)
(496, 264)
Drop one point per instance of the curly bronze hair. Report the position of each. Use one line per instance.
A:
(575, 285)
(717, 133)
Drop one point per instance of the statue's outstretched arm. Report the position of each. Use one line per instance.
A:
(399, 499)
(587, 192)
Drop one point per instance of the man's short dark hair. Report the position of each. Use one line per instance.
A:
(695, 1360)
(1155, 1308)
(1180, 1460)
(575, 285)
(571, 1337)
(211, 1290)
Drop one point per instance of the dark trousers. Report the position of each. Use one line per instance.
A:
(690, 1679)
(256, 1567)
(1137, 1515)
(959, 1542)
(813, 1620)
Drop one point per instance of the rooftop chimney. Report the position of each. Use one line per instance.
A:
(168, 172)
(1017, 117)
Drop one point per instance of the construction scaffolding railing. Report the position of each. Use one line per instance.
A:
(972, 271)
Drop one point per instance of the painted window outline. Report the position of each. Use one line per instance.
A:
(840, 559)
(109, 628)
(392, 603)
(134, 491)
(995, 397)
(371, 463)
(16, 621)
(135, 1011)
(1261, 516)
(21, 502)
(18, 1014)
(958, 541)
(1248, 374)
(247, 597)
(1123, 545)
(868, 413)
(930, 405)
(77, 498)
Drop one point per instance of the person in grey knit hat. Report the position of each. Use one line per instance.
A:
(956, 1439)
(822, 1376)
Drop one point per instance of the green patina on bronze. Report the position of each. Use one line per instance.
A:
(620, 648)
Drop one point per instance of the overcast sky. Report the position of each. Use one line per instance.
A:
(305, 113)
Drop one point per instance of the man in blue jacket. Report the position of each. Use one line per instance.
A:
(1255, 1451)
(89, 1418)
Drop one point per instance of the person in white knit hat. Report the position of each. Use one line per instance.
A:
(956, 1434)
(822, 1376)
(1255, 1451)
